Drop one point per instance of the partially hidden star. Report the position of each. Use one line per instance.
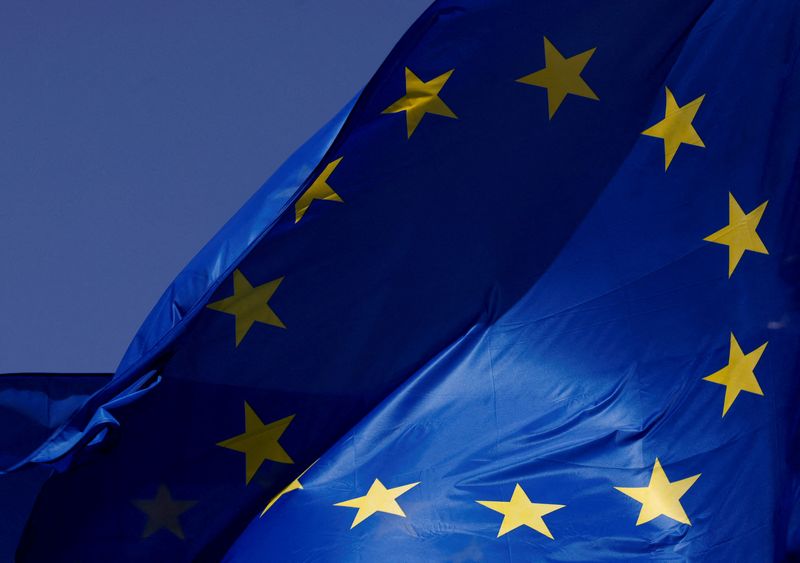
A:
(319, 189)
(163, 512)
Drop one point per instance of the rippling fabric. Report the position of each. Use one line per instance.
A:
(32, 405)
(536, 301)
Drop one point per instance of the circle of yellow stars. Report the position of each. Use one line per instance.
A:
(561, 77)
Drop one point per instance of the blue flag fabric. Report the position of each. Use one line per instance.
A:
(536, 300)
(32, 405)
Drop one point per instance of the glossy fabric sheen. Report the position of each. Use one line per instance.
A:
(499, 299)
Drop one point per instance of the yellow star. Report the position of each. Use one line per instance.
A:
(661, 497)
(520, 511)
(740, 234)
(676, 127)
(377, 499)
(249, 304)
(163, 512)
(739, 374)
(318, 190)
(421, 98)
(293, 486)
(561, 76)
(259, 441)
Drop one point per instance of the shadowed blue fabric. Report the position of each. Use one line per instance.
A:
(515, 298)
(32, 405)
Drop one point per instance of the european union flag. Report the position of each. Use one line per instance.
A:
(533, 295)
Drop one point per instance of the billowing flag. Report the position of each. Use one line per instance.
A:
(532, 296)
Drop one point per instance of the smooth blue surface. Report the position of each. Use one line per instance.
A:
(131, 131)
(501, 299)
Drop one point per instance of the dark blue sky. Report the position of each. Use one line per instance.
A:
(131, 131)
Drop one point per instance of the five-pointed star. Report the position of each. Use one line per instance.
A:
(421, 98)
(740, 234)
(317, 190)
(520, 511)
(561, 76)
(660, 496)
(377, 499)
(259, 442)
(249, 304)
(163, 512)
(739, 374)
(293, 486)
(676, 127)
